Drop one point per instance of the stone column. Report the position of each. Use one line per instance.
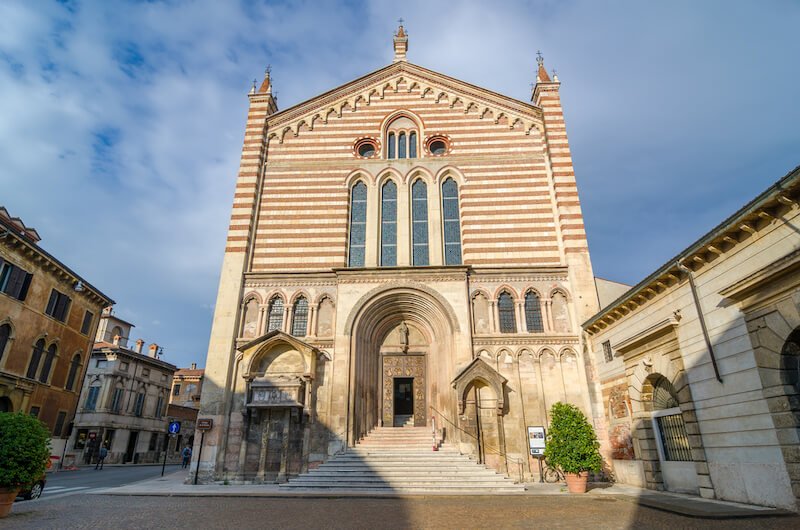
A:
(520, 316)
(288, 310)
(262, 318)
(311, 329)
(284, 445)
(495, 325)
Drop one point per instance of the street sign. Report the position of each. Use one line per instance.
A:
(536, 440)
(204, 424)
(174, 427)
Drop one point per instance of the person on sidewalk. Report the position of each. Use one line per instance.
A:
(187, 454)
(101, 457)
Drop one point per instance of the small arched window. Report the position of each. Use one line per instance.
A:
(275, 314)
(401, 145)
(419, 223)
(300, 317)
(391, 145)
(505, 308)
(452, 227)
(533, 313)
(74, 366)
(48, 364)
(5, 338)
(389, 224)
(36, 357)
(358, 225)
(412, 144)
(250, 320)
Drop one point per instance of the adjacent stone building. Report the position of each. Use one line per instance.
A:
(48, 319)
(404, 247)
(187, 385)
(699, 364)
(124, 401)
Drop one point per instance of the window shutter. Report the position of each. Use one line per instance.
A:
(15, 282)
(25, 285)
(51, 304)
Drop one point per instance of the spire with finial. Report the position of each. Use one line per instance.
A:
(266, 85)
(541, 73)
(400, 43)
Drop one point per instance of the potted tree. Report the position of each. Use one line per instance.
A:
(24, 452)
(572, 446)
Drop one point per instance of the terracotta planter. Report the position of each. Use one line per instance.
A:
(576, 482)
(7, 497)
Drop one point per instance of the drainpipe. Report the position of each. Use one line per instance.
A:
(700, 317)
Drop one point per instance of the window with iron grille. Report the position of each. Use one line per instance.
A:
(275, 314)
(505, 307)
(389, 223)
(300, 317)
(674, 438)
(608, 354)
(533, 313)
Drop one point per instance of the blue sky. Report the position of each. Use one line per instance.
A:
(122, 122)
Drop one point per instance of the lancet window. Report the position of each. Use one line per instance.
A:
(358, 225)
(389, 224)
(452, 227)
(419, 223)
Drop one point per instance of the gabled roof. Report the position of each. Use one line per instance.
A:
(364, 87)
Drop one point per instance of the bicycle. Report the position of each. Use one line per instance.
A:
(552, 474)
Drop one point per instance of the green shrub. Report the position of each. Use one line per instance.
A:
(24, 449)
(571, 442)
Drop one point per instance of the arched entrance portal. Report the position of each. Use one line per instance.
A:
(401, 351)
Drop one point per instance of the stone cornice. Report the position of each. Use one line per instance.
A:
(738, 229)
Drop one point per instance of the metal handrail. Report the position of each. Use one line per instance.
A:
(497, 451)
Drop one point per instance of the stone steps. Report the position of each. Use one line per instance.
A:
(401, 460)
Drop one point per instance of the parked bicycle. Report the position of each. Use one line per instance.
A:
(552, 474)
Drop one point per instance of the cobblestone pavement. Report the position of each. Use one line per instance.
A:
(105, 511)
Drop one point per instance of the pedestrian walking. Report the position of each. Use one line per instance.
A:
(187, 454)
(101, 457)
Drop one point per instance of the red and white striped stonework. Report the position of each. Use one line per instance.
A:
(518, 197)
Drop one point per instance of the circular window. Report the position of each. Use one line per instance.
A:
(366, 148)
(438, 145)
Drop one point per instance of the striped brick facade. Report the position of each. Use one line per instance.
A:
(522, 243)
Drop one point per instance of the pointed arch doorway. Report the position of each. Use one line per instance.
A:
(401, 349)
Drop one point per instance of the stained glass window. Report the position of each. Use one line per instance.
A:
(419, 223)
(505, 308)
(275, 314)
(452, 227)
(389, 225)
(358, 225)
(533, 313)
(300, 317)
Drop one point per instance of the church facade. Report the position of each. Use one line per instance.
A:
(406, 249)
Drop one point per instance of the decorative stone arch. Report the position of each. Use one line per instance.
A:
(252, 295)
(566, 351)
(480, 290)
(408, 287)
(452, 172)
(562, 290)
(359, 174)
(479, 370)
(527, 352)
(419, 173)
(507, 288)
(297, 294)
(386, 175)
(271, 295)
(322, 296)
(545, 351)
(12, 334)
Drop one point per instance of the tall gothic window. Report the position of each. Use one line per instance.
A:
(38, 349)
(389, 224)
(401, 145)
(358, 225)
(392, 145)
(452, 228)
(533, 313)
(412, 145)
(505, 308)
(48, 364)
(275, 314)
(74, 366)
(419, 222)
(5, 335)
(300, 317)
